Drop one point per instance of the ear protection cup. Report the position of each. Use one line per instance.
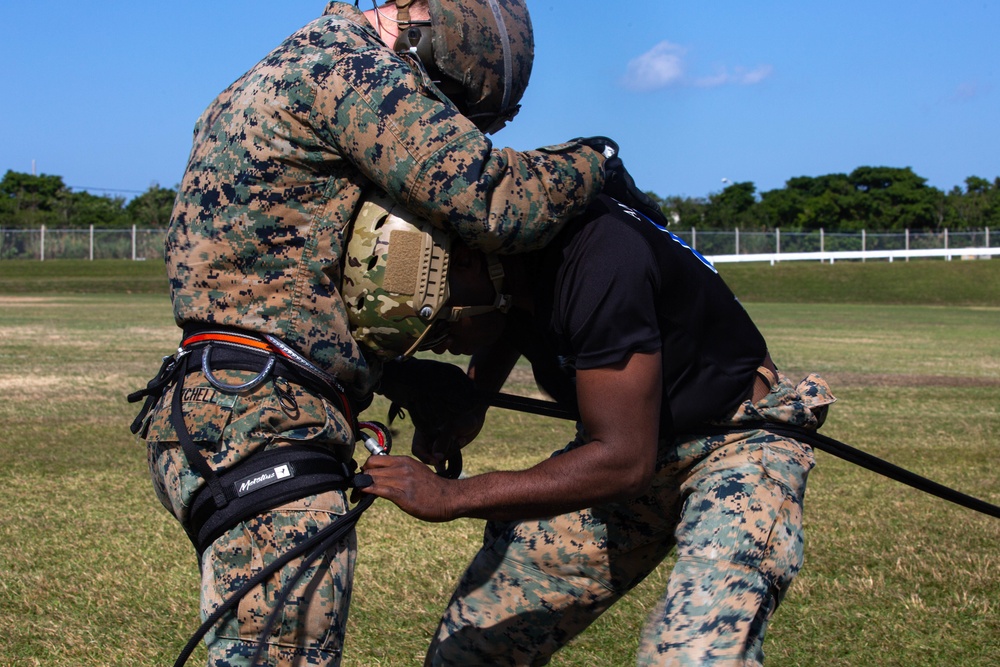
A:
(416, 39)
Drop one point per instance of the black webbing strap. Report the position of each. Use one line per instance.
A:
(152, 391)
(882, 467)
(174, 369)
(262, 481)
(817, 440)
(191, 450)
(234, 495)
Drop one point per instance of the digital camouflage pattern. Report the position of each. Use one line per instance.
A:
(231, 428)
(279, 164)
(314, 621)
(732, 507)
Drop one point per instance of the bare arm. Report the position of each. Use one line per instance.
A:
(619, 406)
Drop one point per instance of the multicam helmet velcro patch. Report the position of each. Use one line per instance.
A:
(395, 280)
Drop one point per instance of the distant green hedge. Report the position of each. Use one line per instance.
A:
(73, 276)
(918, 282)
(928, 281)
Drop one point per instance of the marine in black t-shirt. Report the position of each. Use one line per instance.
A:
(615, 283)
(622, 320)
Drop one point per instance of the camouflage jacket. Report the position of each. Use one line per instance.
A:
(281, 160)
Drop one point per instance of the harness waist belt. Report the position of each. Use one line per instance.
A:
(230, 348)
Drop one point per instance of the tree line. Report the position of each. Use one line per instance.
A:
(877, 199)
(870, 198)
(30, 201)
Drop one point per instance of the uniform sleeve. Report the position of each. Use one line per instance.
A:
(435, 162)
(605, 300)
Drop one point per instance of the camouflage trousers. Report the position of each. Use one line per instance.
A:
(230, 427)
(730, 504)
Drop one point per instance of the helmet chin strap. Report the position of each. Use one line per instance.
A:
(414, 37)
(402, 17)
(501, 301)
(508, 64)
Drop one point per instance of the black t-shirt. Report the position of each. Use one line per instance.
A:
(614, 283)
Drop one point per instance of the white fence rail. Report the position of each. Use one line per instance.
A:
(717, 246)
(90, 243)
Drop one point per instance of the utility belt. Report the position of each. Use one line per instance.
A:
(268, 478)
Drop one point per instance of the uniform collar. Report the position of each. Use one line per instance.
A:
(350, 13)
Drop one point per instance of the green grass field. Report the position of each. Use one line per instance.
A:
(93, 572)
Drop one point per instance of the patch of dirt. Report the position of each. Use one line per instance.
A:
(28, 301)
(29, 382)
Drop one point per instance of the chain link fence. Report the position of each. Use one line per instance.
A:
(141, 244)
(43, 243)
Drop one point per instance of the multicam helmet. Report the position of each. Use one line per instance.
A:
(395, 277)
(481, 51)
(395, 281)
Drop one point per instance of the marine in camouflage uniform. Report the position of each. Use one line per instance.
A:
(731, 507)
(675, 389)
(279, 164)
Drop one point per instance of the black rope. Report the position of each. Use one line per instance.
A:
(286, 590)
(321, 541)
(817, 440)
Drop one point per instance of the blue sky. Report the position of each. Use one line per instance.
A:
(105, 94)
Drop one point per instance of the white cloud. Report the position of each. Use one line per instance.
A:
(663, 65)
(755, 75)
(720, 78)
(659, 67)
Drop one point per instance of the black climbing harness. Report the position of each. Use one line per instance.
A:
(288, 473)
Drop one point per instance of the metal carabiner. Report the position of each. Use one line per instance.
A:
(250, 385)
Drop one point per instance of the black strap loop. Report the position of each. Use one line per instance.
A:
(191, 449)
(262, 481)
(152, 392)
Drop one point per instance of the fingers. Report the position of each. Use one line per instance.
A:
(410, 485)
(435, 449)
(394, 475)
(385, 472)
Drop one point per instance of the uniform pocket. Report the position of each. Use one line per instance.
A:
(208, 415)
(788, 463)
(293, 414)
